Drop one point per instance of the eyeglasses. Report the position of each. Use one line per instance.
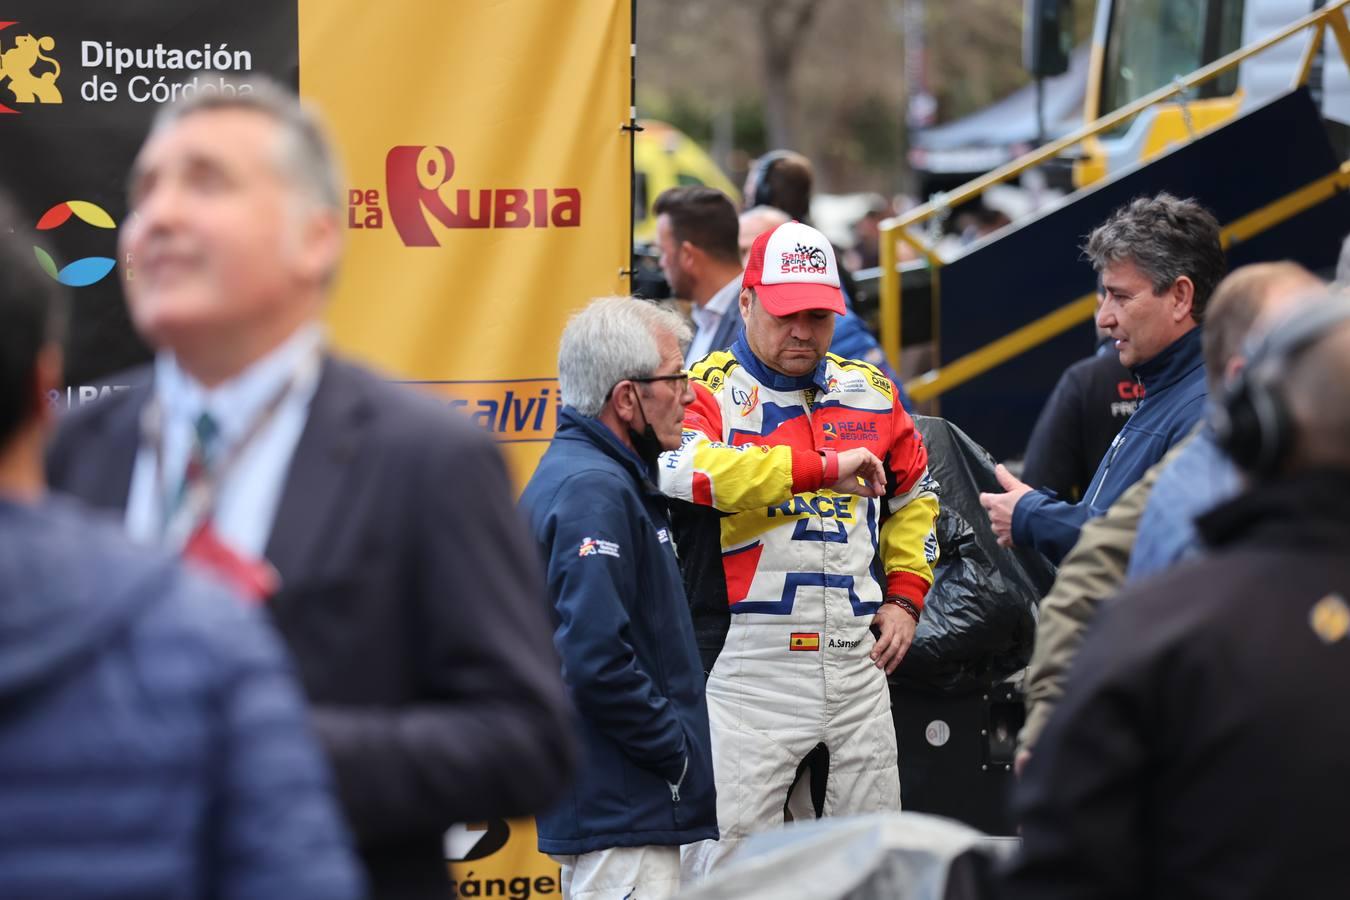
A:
(681, 379)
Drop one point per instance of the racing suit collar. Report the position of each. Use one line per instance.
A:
(777, 380)
(572, 425)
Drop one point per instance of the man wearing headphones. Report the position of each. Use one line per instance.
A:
(1198, 750)
(781, 179)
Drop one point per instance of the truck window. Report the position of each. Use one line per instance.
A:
(1151, 42)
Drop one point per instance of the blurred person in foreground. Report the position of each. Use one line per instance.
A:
(1199, 749)
(1160, 259)
(621, 620)
(696, 231)
(377, 528)
(152, 740)
(801, 560)
(1152, 525)
(1201, 476)
(1341, 277)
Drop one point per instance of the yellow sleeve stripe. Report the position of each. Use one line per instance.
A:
(908, 542)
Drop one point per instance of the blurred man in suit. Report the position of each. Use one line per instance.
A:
(696, 229)
(378, 528)
(149, 724)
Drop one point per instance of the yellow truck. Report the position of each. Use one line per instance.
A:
(1139, 46)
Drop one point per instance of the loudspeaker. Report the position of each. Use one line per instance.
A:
(1252, 423)
(1047, 36)
(956, 753)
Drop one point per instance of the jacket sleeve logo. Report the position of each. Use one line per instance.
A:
(596, 547)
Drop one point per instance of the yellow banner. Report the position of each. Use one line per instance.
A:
(488, 197)
(488, 189)
(498, 859)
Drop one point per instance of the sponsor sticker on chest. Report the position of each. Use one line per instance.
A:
(852, 430)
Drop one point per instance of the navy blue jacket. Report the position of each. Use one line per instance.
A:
(1174, 400)
(152, 740)
(627, 645)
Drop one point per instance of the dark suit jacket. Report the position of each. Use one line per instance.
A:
(730, 326)
(412, 603)
(728, 329)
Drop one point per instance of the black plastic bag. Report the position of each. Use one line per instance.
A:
(979, 621)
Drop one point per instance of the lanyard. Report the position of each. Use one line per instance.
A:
(182, 511)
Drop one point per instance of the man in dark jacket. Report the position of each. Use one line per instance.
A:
(378, 527)
(1091, 402)
(1159, 258)
(1199, 749)
(621, 619)
(152, 740)
(1151, 526)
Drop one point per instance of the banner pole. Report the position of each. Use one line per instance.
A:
(633, 129)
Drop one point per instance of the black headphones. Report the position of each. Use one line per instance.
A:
(1253, 423)
(759, 176)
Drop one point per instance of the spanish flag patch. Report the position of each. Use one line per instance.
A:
(802, 640)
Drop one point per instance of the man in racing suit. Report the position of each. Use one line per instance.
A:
(809, 571)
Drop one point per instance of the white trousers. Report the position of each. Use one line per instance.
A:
(755, 767)
(621, 873)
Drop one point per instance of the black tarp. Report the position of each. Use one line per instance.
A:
(979, 621)
(82, 147)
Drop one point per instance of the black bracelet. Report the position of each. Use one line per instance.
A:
(904, 603)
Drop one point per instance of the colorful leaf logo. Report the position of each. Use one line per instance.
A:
(81, 272)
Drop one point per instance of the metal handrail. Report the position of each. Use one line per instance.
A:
(976, 363)
(896, 229)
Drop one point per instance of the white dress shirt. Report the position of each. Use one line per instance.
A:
(250, 490)
(707, 317)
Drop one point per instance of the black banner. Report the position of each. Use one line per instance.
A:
(79, 85)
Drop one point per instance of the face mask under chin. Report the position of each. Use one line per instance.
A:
(645, 443)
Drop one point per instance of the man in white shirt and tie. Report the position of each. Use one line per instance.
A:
(376, 527)
(697, 231)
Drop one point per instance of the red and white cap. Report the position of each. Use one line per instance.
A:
(792, 268)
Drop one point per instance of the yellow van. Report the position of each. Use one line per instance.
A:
(665, 157)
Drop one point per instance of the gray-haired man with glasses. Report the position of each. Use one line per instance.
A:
(621, 620)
